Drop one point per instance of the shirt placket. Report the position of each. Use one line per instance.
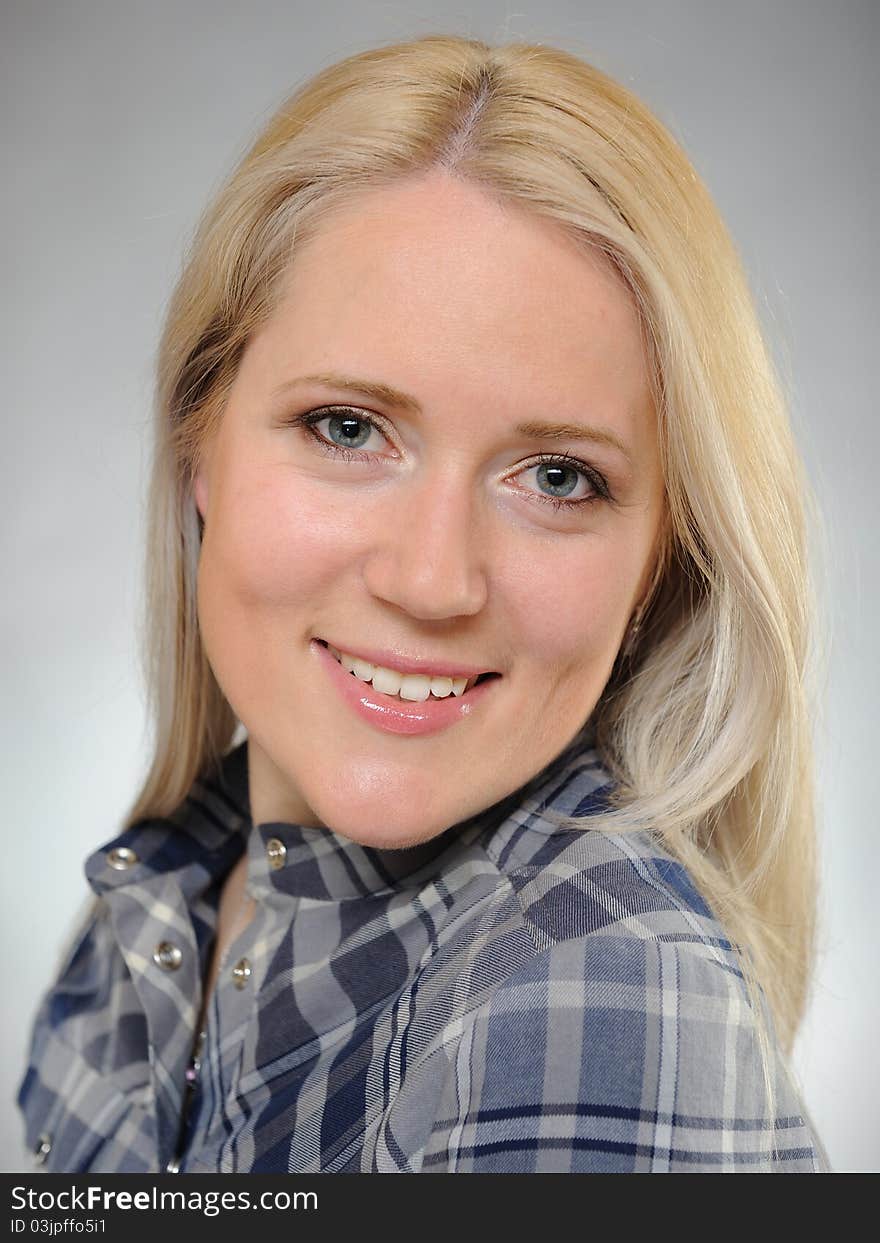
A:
(214, 1066)
(191, 1091)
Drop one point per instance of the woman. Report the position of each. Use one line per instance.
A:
(475, 505)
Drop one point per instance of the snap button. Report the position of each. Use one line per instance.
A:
(121, 858)
(173, 1167)
(167, 956)
(276, 852)
(241, 973)
(42, 1150)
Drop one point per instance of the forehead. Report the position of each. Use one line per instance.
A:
(436, 288)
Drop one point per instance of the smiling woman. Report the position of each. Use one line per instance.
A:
(425, 526)
(455, 513)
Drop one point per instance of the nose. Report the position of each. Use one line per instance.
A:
(427, 555)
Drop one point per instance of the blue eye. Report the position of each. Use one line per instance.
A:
(348, 430)
(546, 469)
(342, 428)
(560, 473)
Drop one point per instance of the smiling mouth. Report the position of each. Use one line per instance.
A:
(471, 685)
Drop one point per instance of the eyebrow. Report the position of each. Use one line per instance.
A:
(532, 429)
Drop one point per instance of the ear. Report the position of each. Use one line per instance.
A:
(200, 489)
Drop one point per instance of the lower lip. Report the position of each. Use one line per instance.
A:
(399, 716)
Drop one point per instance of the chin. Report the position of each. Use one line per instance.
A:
(400, 841)
(361, 822)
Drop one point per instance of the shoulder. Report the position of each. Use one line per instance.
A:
(532, 902)
(624, 1040)
(615, 908)
(568, 883)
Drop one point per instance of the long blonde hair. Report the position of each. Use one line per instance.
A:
(705, 723)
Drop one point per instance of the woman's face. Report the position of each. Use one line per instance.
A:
(430, 532)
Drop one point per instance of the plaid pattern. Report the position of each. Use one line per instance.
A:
(504, 998)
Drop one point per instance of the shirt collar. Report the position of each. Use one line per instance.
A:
(202, 840)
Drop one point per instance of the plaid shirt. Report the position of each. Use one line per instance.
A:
(507, 997)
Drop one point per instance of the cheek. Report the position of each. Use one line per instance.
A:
(572, 604)
(277, 541)
(272, 550)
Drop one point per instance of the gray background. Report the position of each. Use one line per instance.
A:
(121, 118)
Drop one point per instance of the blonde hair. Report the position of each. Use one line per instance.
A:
(705, 723)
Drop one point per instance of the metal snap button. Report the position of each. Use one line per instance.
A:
(42, 1150)
(121, 858)
(167, 956)
(276, 852)
(241, 973)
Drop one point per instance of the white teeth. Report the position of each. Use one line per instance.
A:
(413, 686)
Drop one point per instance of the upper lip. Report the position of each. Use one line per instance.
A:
(394, 658)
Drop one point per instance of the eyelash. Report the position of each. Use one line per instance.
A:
(308, 421)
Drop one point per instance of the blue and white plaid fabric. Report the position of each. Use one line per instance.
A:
(504, 998)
